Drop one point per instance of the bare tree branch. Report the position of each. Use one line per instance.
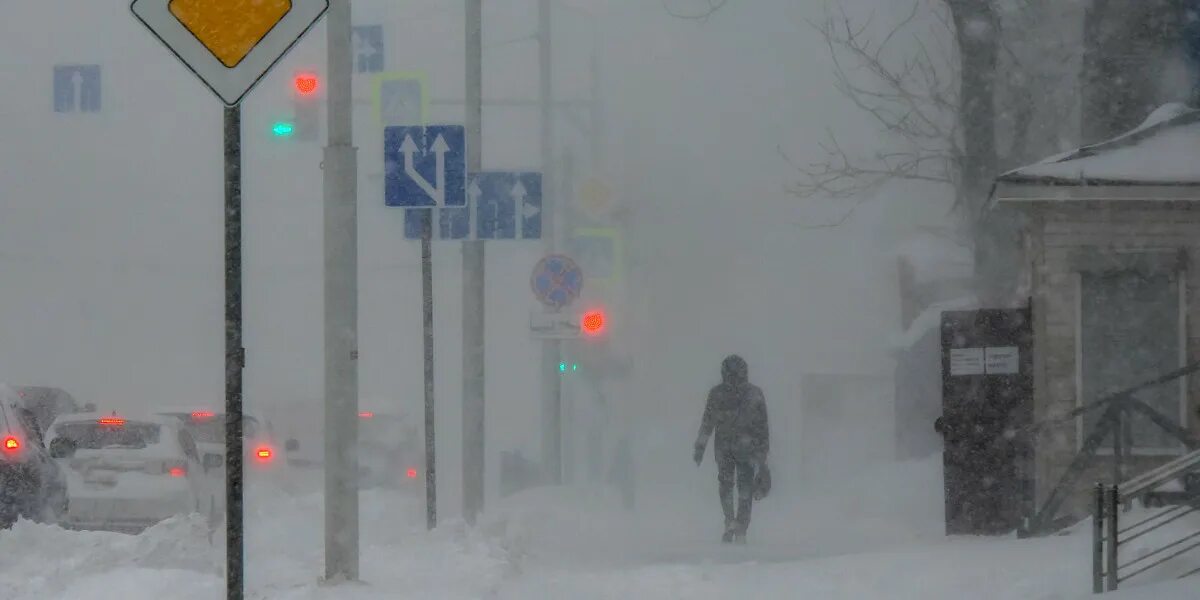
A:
(913, 100)
(710, 8)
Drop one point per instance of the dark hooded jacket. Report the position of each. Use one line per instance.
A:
(736, 412)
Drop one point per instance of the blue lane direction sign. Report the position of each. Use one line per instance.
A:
(368, 48)
(505, 205)
(425, 166)
(509, 205)
(76, 88)
(556, 281)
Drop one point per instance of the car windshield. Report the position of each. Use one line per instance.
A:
(98, 436)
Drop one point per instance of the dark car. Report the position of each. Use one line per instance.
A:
(31, 483)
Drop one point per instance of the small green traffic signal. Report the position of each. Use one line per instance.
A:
(564, 366)
(283, 129)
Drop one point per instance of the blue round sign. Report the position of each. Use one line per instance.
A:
(556, 281)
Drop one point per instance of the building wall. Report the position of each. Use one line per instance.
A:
(1055, 233)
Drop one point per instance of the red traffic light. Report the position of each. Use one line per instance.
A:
(592, 322)
(306, 84)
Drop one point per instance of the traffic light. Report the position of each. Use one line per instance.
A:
(592, 323)
(567, 367)
(283, 128)
(306, 118)
(306, 83)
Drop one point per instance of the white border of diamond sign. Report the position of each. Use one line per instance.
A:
(230, 85)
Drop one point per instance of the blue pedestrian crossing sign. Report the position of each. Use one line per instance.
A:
(76, 88)
(400, 98)
(502, 205)
(425, 166)
(368, 48)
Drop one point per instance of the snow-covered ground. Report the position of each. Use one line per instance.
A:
(575, 543)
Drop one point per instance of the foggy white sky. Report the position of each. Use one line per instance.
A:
(110, 224)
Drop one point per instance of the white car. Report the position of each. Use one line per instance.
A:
(261, 451)
(127, 474)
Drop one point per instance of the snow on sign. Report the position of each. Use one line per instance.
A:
(966, 361)
(425, 166)
(1002, 360)
(556, 281)
(229, 44)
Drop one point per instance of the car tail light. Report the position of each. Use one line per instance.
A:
(177, 471)
(264, 454)
(411, 473)
(203, 415)
(11, 444)
(112, 421)
(366, 414)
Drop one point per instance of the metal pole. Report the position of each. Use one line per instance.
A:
(473, 283)
(427, 321)
(1098, 541)
(1113, 544)
(551, 349)
(235, 357)
(341, 308)
(1118, 433)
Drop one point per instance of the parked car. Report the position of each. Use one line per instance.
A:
(32, 485)
(128, 473)
(47, 403)
(390, 452)
(261, 450)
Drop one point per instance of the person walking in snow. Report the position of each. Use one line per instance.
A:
(736, 416)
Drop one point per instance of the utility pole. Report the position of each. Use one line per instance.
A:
(551, 349)
(341, 307)
(473, 282)
(235, 359)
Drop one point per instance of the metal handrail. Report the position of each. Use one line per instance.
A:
(1185, 550)
(1151, 479)
(1107, 540)
(1152, 517)
(1159, 525)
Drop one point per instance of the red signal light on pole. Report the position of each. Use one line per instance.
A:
(593, 322)
(306, 83)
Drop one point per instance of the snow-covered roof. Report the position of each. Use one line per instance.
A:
(1161, 151)
(929, 319)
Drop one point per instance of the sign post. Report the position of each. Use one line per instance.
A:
(425, 170)
(230, 45)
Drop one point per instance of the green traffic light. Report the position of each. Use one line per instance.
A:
(283, 129)
(562, 367)
(574, 367)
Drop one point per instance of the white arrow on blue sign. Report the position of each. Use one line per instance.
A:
(425, 166)
(506, 205)
(76, 88)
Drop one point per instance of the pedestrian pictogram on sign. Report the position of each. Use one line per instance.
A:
(229, 44)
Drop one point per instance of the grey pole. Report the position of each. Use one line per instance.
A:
(1114, 543)
(473, 283)
(1098, 540)
(341, 308)
(427, 323)
(234, 357)
(551, 349)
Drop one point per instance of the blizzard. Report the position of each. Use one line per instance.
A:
(578, 542)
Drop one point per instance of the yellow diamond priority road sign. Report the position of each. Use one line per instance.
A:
(229, 44)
